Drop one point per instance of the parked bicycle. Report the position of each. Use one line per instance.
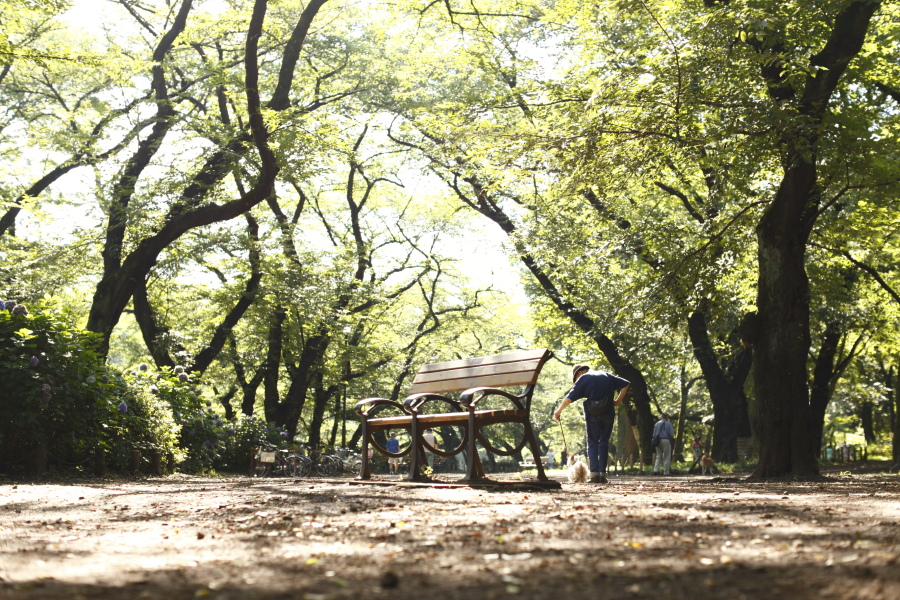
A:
(326, 465)
(351, 461)
(271, 460)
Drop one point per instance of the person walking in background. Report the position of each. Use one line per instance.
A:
(697, 447)
(598, 388)
(393, 445)
(666, 433)
(429, 438)
(549, 458)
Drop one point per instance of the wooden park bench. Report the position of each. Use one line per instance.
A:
(530, 464)
(476, 379)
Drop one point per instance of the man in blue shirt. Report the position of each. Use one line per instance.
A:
(393, 445)
(596, 387)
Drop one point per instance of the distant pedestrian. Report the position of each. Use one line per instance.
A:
(697, 448)
(429, 438)
(549, 458)
(393, 445)
(666, 434)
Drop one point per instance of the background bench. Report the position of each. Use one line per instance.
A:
(477, 379)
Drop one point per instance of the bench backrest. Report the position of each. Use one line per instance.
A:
(500, 370)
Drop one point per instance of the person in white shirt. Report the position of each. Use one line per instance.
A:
(431, 440)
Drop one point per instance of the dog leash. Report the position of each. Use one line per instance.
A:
(565, 445)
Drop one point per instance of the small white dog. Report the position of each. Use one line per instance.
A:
(578, 471)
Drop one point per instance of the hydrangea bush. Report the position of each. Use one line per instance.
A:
(45, 368)
(135, 419)
(56, 391)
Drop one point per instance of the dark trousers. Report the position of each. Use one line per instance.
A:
(599, 429)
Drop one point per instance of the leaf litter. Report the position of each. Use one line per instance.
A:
(637, 538)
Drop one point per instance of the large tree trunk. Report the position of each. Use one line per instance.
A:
(782, 338)
(779, 368)
(305, 375)
(272, 364)
(322, 399)
(867, 421)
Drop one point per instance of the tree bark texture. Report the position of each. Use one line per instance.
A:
(779, 369)
(867, 421)
(273, 363)
(783, 334)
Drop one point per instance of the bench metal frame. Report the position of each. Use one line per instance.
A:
(477, 379)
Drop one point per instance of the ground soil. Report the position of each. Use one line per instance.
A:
(676, 537)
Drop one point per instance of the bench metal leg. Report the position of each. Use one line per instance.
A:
(532, 443)
(416, 453)
(474, 468)
(365, 472)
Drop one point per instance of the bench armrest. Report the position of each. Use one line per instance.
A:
(471, 397)
(413, 403)
(369, 405)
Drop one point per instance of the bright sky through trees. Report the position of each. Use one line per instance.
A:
(481, 253)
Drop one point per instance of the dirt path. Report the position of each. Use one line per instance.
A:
(672, 538)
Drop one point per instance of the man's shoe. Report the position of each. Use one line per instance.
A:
(601, 479)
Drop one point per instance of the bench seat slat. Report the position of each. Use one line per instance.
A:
(484, 360)
(521, 366)
(501, 370)
(457, 385)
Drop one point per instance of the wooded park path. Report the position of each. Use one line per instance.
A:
(684, 537)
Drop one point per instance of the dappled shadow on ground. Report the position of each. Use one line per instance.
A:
(589, 575)
(679, 537)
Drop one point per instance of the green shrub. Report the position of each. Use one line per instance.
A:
(50, 387)
(135, 419)
(54, 389)
(205, 441)
(241, 437)
(198, 429)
